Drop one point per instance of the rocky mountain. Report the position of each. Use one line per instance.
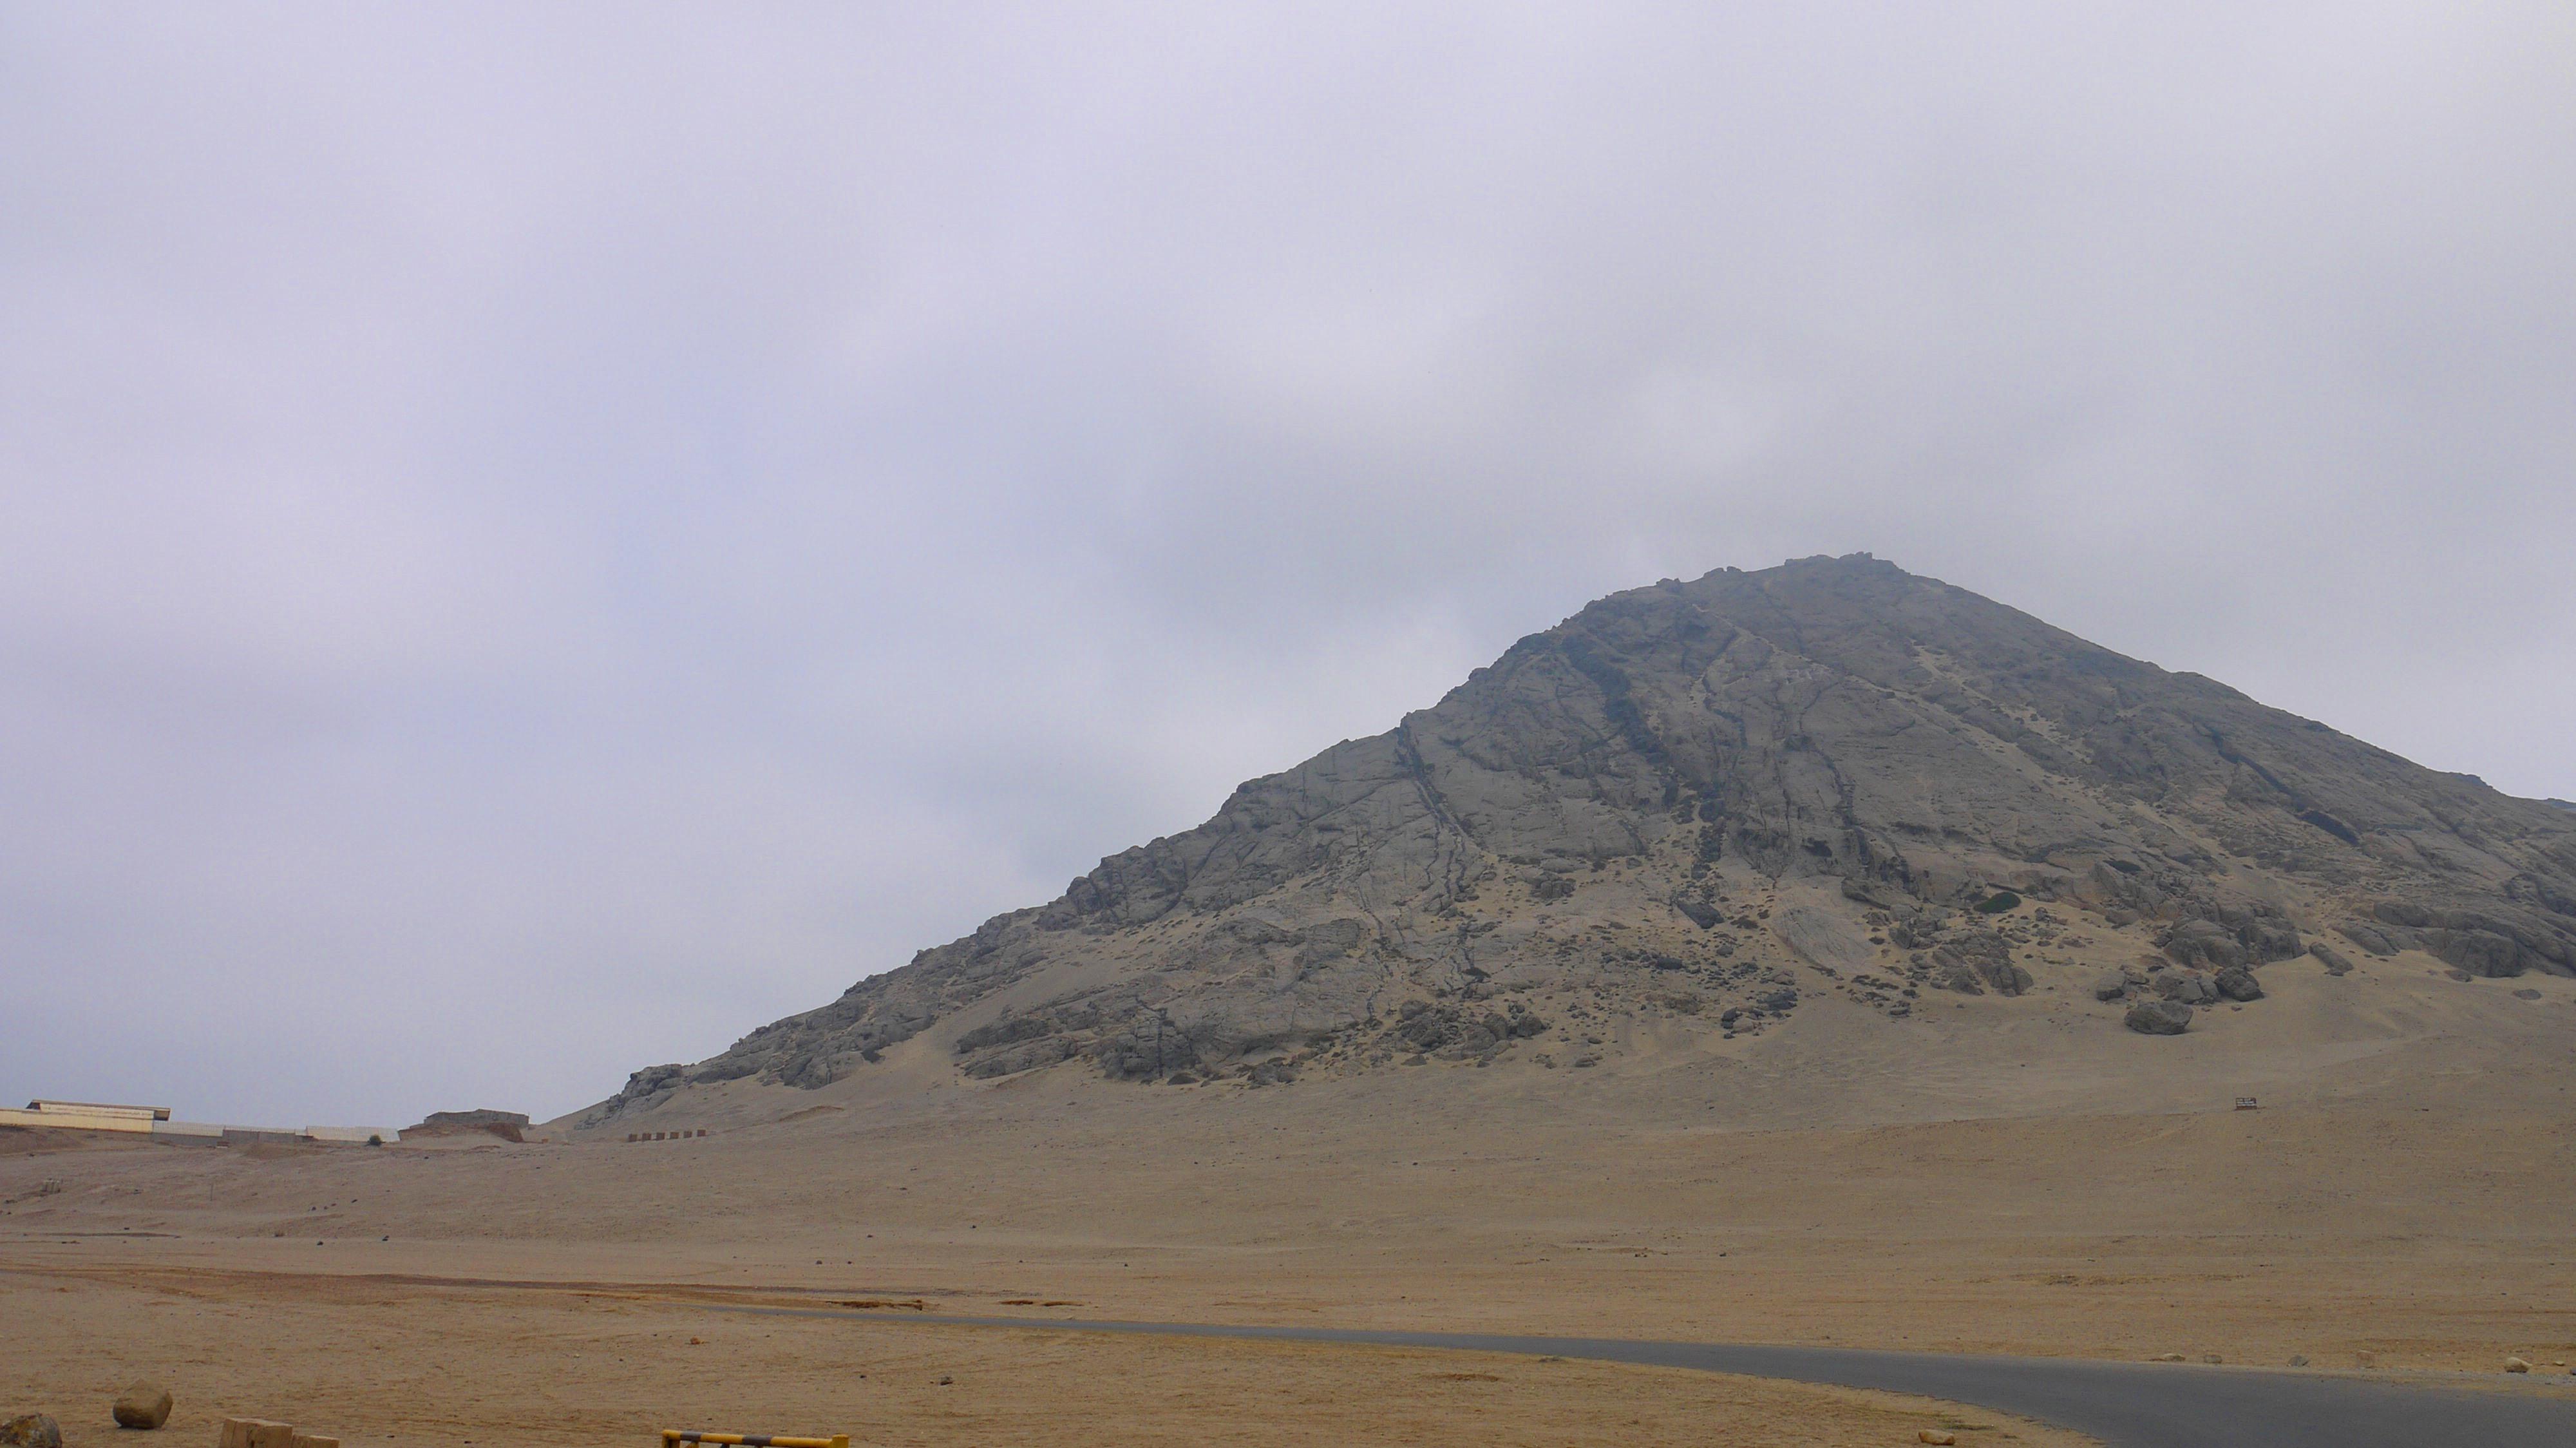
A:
(1709, 803)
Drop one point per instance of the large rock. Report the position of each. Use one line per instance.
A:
(2238, 985)
(2204, 942)
(2110, 985)
(2186, 988)
(255, 1433)
(143, 1405)
(2158, 1018)
(2479, 952)
(2330, 958)
(31, 1430)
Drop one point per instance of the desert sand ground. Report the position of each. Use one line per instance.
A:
(379, 1362)
(1998, 1176)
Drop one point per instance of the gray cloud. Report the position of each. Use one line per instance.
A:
(533, 542)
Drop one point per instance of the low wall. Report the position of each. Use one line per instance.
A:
(77, 1120)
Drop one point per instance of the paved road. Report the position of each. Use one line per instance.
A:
(2126, 1405)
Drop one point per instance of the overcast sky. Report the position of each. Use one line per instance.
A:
(536, 539)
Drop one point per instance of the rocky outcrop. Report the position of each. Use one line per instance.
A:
(2492, 940)
(1931, 785)
(507, 1125)
(2228, 937)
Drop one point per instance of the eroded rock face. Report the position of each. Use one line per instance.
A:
(1914, 773)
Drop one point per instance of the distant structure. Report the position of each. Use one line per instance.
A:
(86, 1116)
(507, 1125)
(155, 1122)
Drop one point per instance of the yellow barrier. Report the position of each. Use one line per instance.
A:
(674, 1436)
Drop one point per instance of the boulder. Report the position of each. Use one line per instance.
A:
(2331, 958)
(2238, 985)
(2187, 988)
(144, 1405)
(2158, 1018)
(2368, 938)
(31, 1430)
(2110, 985)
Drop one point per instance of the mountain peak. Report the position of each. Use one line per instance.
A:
(1710, 803)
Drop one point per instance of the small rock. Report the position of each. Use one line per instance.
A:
(1936, 1435)
(144, 1405)
(2330, 957)
(2526, 994)
(2516, 1365)
(255, 1433)
(2298, 1360)
(2110, 985)
(2172, 1357)
(2212, 1359)
(2365, 1359)
(31, 1430)
(2158, 1018)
